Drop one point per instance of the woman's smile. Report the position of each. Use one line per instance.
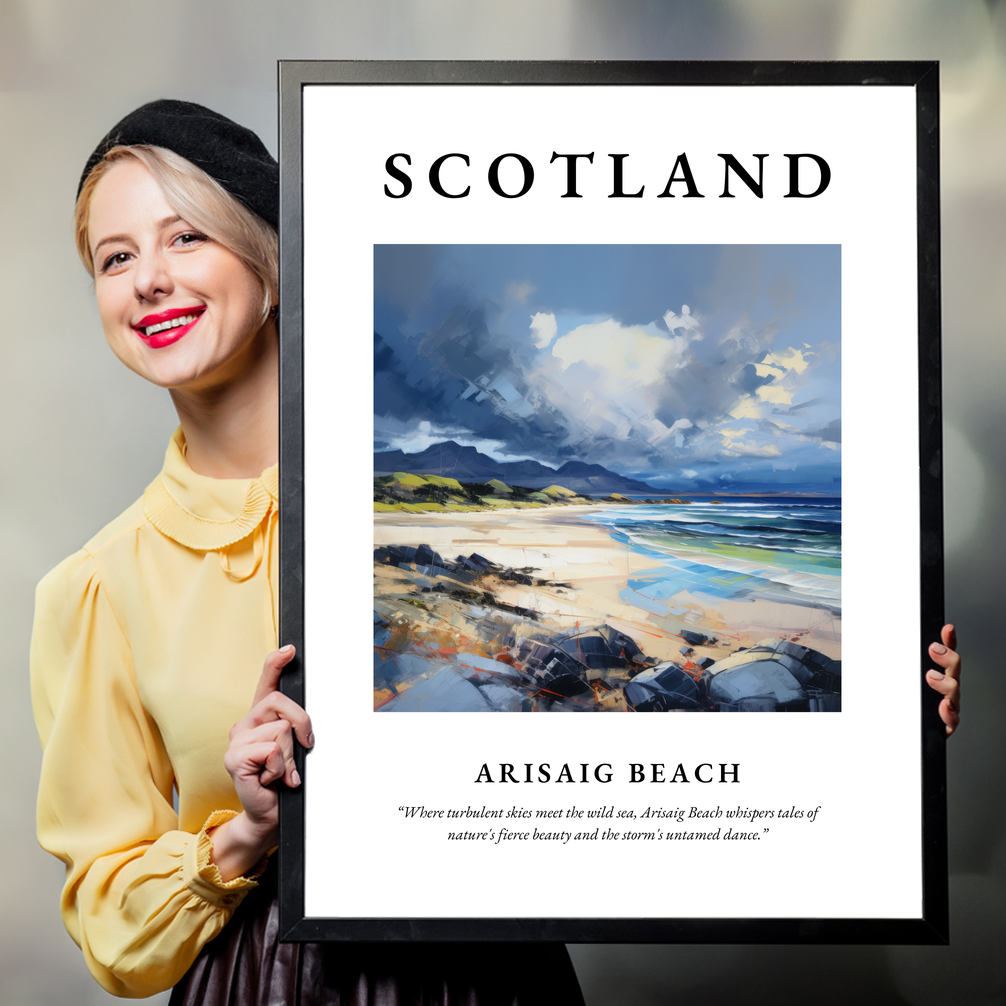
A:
(167, 327)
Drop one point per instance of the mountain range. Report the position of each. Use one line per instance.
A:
(466, 464)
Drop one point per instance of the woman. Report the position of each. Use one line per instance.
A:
(149, 642)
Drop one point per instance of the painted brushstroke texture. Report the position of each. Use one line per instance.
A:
(686, 367)
(592, 494)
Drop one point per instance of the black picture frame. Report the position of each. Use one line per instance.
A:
(931, 926)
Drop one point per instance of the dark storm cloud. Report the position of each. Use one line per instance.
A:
(546, 380)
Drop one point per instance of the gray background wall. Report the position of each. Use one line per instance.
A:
(82, 436)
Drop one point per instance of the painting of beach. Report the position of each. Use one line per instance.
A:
(607, 478)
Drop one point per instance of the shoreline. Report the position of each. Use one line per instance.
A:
(582, 576)
(677, 500)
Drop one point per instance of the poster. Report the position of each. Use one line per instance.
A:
(640, 350)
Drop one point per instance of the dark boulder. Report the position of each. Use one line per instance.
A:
(605, 648)
(662, 689)
(552, 669)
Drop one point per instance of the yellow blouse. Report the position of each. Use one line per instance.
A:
(147, 647)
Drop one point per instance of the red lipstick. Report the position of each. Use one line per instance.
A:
(166, 327)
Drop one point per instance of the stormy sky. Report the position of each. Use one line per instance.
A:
(686, 366)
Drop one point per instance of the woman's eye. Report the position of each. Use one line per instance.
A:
(114, 261)
(190, 238)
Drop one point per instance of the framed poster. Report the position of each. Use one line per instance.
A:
(650, 352)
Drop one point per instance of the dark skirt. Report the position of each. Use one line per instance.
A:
(246, 965)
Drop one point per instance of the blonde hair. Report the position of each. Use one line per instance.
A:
(199, 200)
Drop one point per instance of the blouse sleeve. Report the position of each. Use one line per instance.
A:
(141, 898)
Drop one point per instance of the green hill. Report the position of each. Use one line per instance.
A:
(409, 480)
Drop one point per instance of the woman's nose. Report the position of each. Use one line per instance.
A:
(152, 277)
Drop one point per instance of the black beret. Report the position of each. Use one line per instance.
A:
(231, 154)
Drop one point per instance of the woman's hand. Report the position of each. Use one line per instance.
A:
(947, 682)
(260, 753)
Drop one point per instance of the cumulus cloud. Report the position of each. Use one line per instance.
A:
(628, 396)
(543, 328)
(745, 443)
(414, 438)
(681, 392)
(616, 351)
(683, 321)
(777, 394)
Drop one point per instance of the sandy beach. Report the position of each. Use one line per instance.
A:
(580, 577)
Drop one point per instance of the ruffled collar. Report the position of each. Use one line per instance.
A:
(203, 513)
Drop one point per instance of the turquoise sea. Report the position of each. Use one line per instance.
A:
(784, 549)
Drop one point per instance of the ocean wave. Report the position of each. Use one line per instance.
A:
(805, 526)
(783, 551)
